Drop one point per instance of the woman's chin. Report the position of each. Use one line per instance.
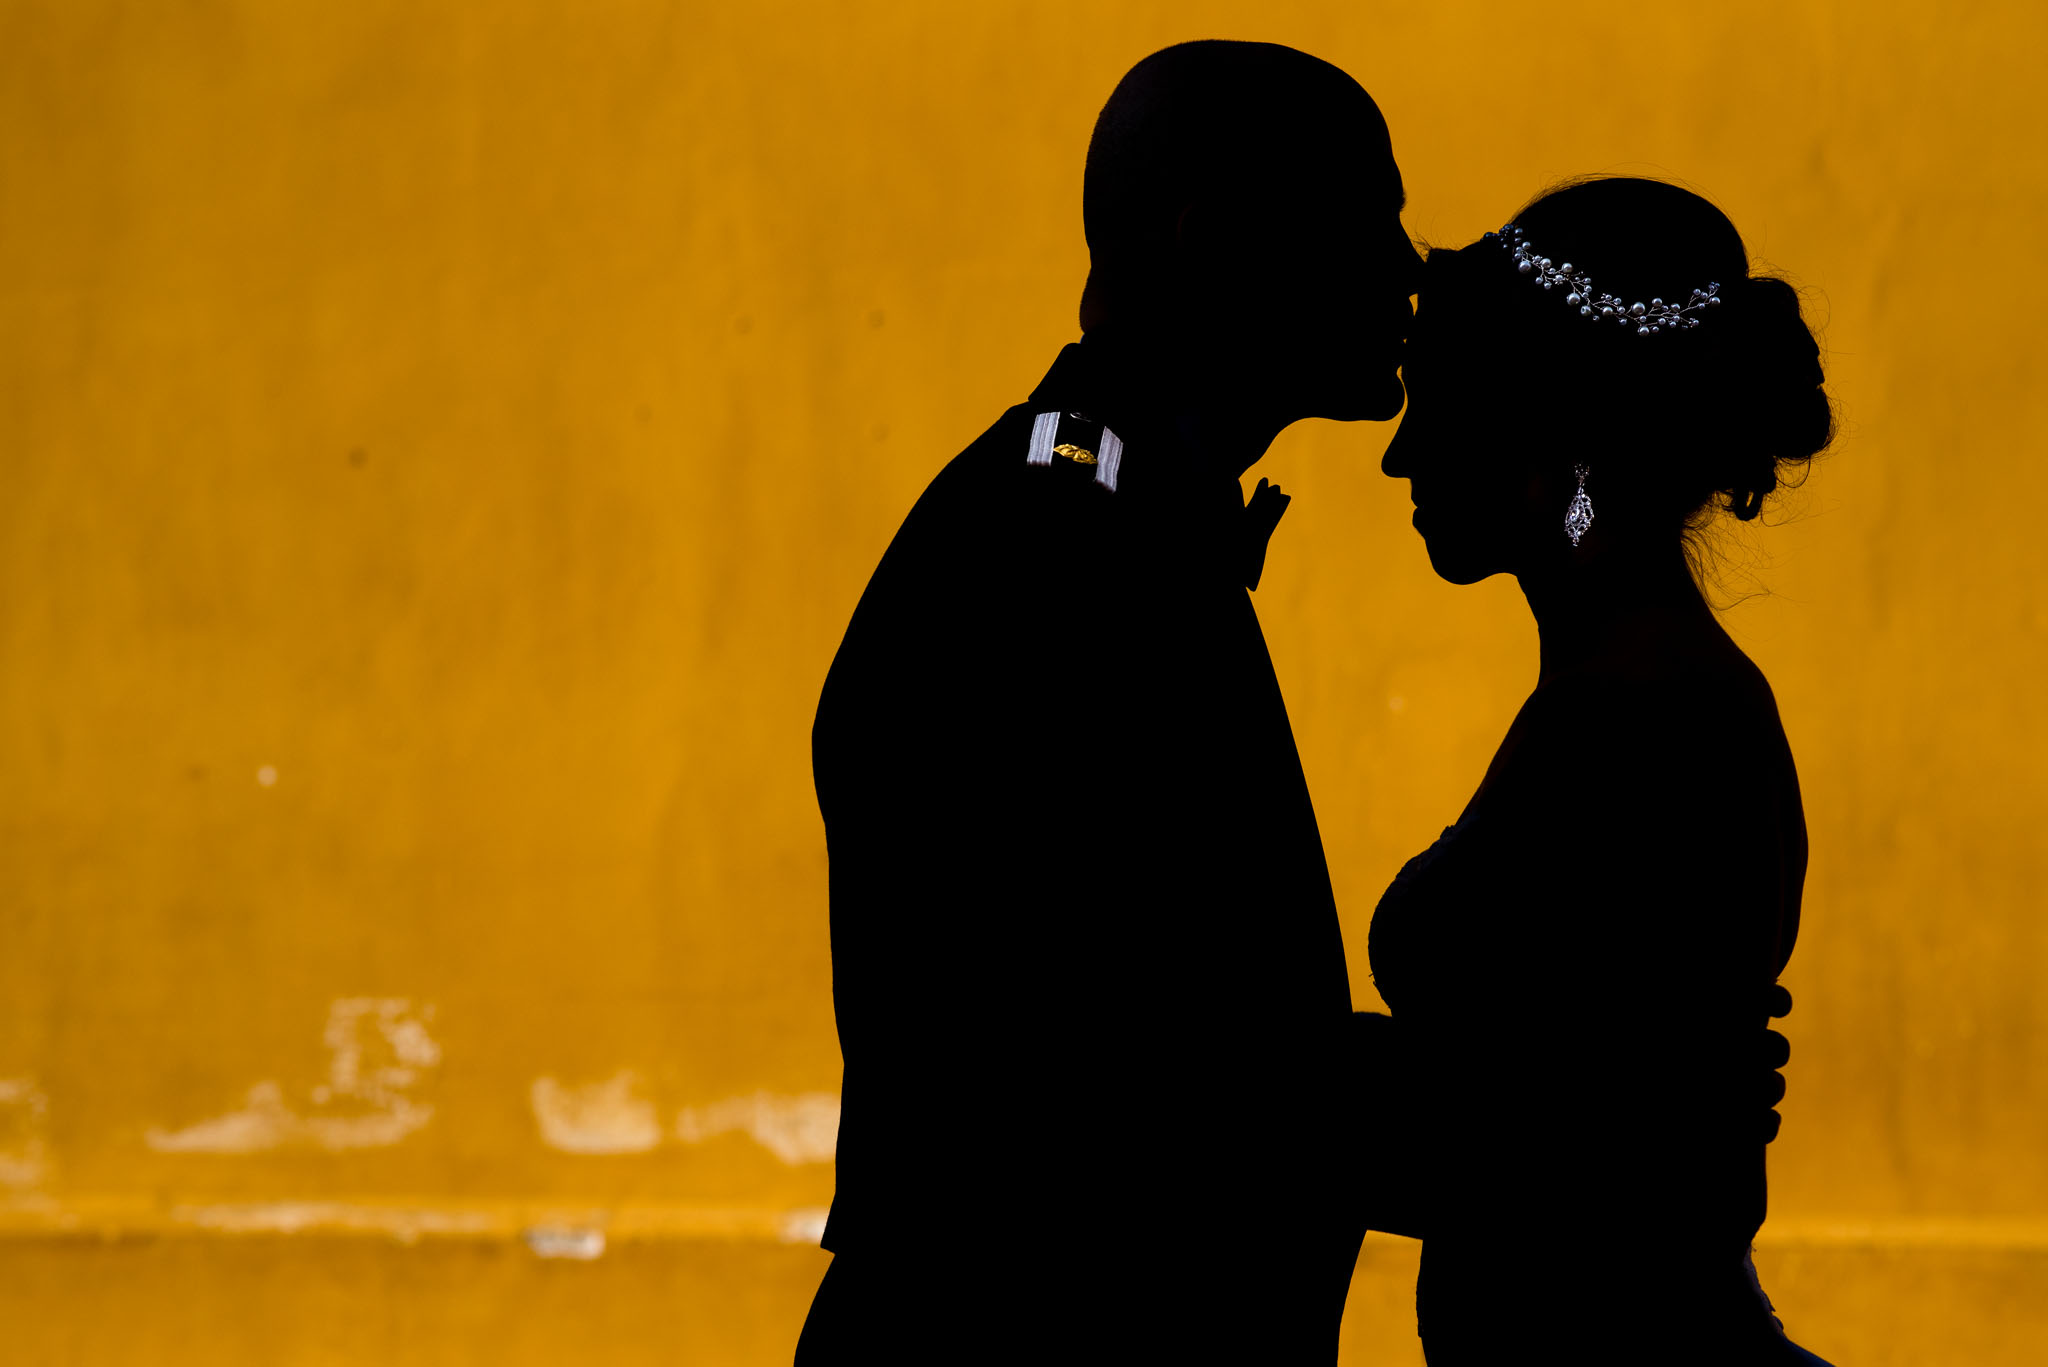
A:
(1455, 565)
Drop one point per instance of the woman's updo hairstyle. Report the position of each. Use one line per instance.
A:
(1714, 416)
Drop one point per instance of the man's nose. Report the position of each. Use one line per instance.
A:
(1395, 463)
(1411, 268)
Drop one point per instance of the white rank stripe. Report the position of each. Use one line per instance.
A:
(1042, 428)
(1107, 459)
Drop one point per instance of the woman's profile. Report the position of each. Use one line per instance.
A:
(1588, 388)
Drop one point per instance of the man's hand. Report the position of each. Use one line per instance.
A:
(1777, 1051)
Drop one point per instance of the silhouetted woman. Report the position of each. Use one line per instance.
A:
(1587, 389)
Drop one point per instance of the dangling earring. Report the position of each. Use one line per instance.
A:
(1579, 516)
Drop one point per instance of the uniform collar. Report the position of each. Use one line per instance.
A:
(1155, 468)
(1082, 377)
(1098, 378)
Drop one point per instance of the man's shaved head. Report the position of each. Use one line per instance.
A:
(1249, 190)
(1252, 122)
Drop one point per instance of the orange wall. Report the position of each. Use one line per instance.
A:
(440, 448)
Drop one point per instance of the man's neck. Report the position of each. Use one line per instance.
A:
(1221, 426)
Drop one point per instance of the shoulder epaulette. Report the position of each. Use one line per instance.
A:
(1078, 439)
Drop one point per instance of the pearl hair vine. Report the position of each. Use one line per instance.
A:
(1656, 316)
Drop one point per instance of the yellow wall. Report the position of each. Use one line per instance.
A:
(440, 447)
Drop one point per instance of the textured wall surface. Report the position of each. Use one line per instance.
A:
(441, 445)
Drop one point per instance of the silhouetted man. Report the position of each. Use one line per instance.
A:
(1091, 993)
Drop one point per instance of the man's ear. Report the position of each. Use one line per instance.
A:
(1213, 240)
(1197, 231)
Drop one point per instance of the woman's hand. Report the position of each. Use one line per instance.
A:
(1777, 1051)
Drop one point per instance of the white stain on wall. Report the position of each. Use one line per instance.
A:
(581, 1243)
(379, 1056)
(797, 1129)
(804, 1225)
(615, 1116)
(24, 1123)
(406, 1225)
(599, 1117)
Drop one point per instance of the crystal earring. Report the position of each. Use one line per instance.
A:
(1579, 516)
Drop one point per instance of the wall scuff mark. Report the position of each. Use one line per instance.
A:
(580, 1243)
(24, 1120)
(406, 1225)
(804, 1225)
(614, 1116)
(600, 1117)
(379, 1054)
(797, 1129)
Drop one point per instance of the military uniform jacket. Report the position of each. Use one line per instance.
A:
(1087, 969)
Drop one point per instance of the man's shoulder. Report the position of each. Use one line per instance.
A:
(1033, 480)
(969, 488)
(998, 571)
(1033, 458)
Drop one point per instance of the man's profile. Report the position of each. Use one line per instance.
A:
(1090, 987)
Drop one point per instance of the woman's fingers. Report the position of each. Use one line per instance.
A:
(1777, 1052)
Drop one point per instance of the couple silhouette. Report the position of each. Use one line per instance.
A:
(1105, 1095)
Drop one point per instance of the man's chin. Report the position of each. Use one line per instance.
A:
(1376, 400)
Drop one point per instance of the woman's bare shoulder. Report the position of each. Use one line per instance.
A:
(1684, 727)
(1699, 678)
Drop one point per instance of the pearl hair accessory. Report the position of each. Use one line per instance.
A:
(1656, 316)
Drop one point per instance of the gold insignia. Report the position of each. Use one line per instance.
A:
(1080, 455)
